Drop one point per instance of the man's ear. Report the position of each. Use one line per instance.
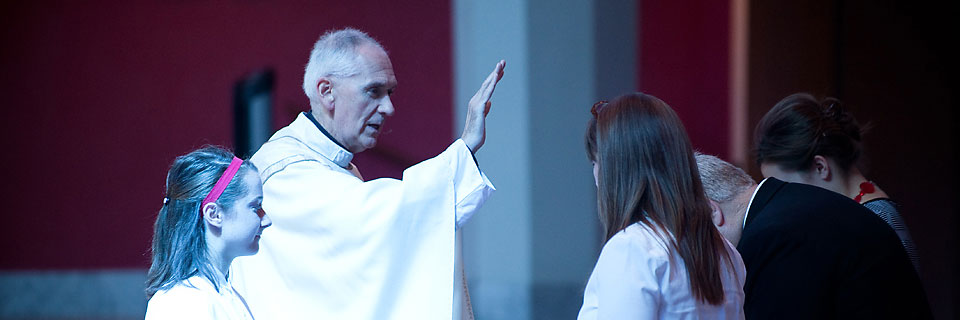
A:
(821, 168)
(213, 214)
(325, 89)
(716, 214)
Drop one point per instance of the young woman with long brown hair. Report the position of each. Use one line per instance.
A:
(663, 257)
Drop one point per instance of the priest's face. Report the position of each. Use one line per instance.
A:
(362, 102)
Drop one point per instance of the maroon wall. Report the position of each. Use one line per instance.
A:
(684, 60)
(99, 98)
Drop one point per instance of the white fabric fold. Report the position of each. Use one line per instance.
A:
(640, 276)
(343, 248)
(196, 298)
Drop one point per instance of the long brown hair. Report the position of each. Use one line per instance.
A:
(647, 174)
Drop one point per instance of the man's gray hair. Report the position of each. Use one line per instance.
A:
(722, 181)
(334, 54)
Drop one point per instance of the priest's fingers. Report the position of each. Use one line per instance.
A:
(486, 90)
(488, 85)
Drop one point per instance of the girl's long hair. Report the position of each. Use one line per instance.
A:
(179, 249)
(647, 174)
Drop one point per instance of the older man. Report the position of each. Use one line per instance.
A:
(810, 253)
(345, 248)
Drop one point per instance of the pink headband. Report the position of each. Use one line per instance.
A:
(222, 183)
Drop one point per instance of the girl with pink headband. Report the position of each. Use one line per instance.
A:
(211, 215)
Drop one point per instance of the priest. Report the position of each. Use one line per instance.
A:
(342, 247)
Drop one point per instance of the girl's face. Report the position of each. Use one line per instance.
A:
(245, 220)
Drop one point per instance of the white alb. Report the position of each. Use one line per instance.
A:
(344, 248)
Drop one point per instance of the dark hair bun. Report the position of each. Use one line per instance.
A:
(800, 127)
(836, 115)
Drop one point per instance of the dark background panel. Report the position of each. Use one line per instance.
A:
(100, 96)
(684, 60)
(891, 65)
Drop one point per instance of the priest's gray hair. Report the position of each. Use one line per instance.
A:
(722, 181)
(334, 54)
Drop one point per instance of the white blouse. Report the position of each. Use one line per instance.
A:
(638, 277)
(196, 298)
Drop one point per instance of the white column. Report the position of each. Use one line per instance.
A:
(530, 250)
(497, 248)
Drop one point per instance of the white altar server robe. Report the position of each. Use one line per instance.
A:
(197, 299)
(344, 248)
(638, 277)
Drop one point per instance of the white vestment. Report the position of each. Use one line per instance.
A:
(196, 298)
(344, 248)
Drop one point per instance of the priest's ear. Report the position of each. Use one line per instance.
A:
(213, 214)
(821, 168)
(716, 214)
(325, 90)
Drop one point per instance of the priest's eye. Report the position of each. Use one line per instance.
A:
(376, 92)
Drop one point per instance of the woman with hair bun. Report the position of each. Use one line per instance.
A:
(817, 142)
(211, 214)
(663, 257)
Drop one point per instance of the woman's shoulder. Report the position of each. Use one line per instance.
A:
(189, 298)
(634, 260)
(639, 241)
(881, 204)
(194, 285)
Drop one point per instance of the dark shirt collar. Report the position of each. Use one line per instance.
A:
(316, 139)
(765, 191)
(324, 131)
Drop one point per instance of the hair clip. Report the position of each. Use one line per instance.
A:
(166, 201)
(595, 109)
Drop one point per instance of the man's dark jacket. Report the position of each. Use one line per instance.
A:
(811, 253)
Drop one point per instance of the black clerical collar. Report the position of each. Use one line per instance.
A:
(314, 120)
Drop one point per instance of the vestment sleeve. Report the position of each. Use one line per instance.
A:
(315, 197)
(472, 188)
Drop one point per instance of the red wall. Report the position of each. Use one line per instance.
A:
(99, 98)
(684, 60)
